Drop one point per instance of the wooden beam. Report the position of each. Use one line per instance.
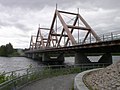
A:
(38, 41)
(37, 37)
(55, 34)
(32, 44)
(60, 38)
(70, 36)
(59, 35)
(72, 29)
(52, 40)
(78, 27)
(91, 30)
(44, 28)
(49, 36)
(41, 38)
(45, 39)
(85, 37)
(67, 12)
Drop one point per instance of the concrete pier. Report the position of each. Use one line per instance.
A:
(106, 58)
(58, 59)
(81, 58)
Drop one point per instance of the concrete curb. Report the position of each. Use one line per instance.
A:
(78, 81)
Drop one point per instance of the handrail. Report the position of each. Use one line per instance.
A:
(17, 78)
(104, 37)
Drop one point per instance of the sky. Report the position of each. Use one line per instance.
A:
(19, 19)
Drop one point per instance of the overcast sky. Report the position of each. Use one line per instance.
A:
(19, 19)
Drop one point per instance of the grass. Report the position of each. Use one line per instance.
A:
(15, 80)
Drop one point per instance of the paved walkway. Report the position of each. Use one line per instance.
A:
(64, 82)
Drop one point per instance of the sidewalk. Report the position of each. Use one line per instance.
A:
(78, 81)
(64, 82)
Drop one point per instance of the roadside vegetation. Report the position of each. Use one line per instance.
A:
(15, 79)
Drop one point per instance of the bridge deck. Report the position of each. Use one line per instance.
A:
(97, 47)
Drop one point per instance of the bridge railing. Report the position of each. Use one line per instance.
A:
(14, 80)
(104, 37)
(110, 36)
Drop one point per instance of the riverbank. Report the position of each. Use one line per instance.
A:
(104, 79)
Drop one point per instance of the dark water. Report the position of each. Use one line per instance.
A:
(15, 63)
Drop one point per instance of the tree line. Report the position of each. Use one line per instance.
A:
(7, 50)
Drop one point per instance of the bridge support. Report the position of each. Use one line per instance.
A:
(106, 58)
(45, 57)
(34, 56)
(59, 59)
(28, 55)
(81, 58)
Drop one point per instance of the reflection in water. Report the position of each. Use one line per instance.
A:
(15, 63)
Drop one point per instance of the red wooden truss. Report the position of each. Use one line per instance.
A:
(55, 36)
(64, 33)
(40, 39)
(32, 42)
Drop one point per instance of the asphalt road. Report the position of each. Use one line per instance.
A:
(64, 82)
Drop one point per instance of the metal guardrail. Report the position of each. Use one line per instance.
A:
(15, 79)
(104, 37)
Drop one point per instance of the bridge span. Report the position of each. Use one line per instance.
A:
(74, 38)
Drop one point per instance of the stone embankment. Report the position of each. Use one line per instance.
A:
(104, 79)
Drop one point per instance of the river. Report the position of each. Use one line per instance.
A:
(15, 63)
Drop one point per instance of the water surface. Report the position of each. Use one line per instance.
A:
(15, 63)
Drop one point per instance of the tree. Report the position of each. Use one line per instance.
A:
(3, 51)
(6, 50)
(9, 49)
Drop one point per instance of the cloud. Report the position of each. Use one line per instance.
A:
(20, 19)
(39, 4)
